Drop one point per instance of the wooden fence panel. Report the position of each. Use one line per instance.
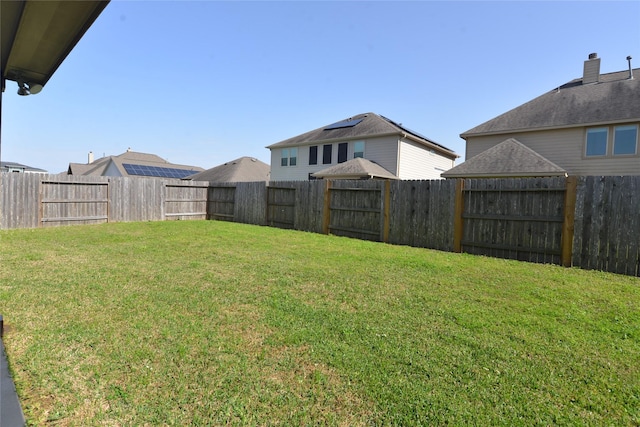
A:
(356, 209)
(607, 224)
(185, 200)
(73, 202)
(136, 199)
(281, 199)
(514, 218)
(309, 204)
(221, 203)
(422, 213)
(19, 200)
(251, 202)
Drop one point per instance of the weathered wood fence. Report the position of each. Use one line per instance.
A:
(590, 222)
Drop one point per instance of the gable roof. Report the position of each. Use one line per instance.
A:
(510, 158)
(244, 169)
(100, 166)
(361, 126)
(615, 98)
(357, 168)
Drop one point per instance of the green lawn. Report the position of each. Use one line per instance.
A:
(215, 323)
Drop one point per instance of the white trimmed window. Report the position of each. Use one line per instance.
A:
(358, 149)
(625, 140)
(597, 142)
(289, 157)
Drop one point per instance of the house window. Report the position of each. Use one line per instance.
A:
(289, 157)
(293, 157)
(342, 152)
(597, 142)
(326, 154)
(358, 149)
(313, 155)
(625, 140)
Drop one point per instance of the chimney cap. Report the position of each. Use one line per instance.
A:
(593, 56)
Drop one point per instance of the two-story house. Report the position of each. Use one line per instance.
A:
(403, 153)
(588, 126)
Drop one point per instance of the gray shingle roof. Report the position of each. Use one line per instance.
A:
(372, 125)
(357, 168)
(616, 98)
(14, 165)
(100, 166)
(244, 169)
(509, 158)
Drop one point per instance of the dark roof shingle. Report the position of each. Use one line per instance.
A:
(510, 158)
(244, 169)
(357, 168)
(616, 98)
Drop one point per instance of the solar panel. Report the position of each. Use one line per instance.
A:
(144, 170)
(344, 124)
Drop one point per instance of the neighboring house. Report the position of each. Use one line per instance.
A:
(20, 168)
(588, 126)
(244, 169)
(131, 164)
(403, 153)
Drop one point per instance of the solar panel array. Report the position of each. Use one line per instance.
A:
(344, 124)
(144, 170)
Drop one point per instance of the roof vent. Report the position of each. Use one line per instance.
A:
(591, 69)
(630, 70)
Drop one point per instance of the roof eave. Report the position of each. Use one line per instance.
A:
(545, 128)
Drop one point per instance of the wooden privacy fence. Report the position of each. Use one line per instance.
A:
(590, 222)
(62, 202)
(525, 219)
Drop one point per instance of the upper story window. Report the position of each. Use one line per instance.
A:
(342, 152)
(358, 149)
(625, 140)
(313, 155)
(612, 141)
(326, 154)
(289, 157)
(597, 142)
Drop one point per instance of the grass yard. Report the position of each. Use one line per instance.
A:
(216, 323)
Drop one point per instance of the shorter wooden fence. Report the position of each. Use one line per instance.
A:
(590, 222)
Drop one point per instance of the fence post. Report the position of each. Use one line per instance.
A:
(568, 221)
(385, 213)
(326, 209)
(458, 224)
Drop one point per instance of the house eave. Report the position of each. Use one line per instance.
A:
(467, 135)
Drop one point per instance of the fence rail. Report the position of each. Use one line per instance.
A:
(590, 222)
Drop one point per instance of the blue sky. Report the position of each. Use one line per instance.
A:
(204, 82)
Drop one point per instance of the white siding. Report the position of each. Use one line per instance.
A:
(416, 162)
(383, 151)
(380, 150)
(564, 147)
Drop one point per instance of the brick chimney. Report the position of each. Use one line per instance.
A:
(591, 70)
